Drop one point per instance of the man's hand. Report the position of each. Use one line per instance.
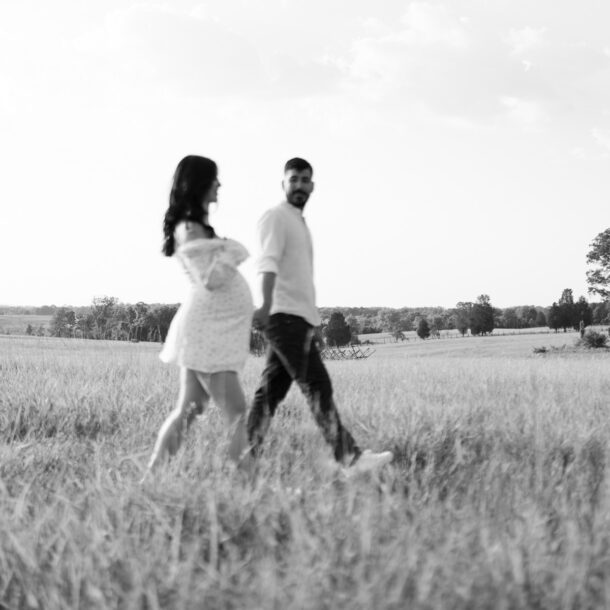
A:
(260, 319)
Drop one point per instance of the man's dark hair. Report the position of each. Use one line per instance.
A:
(298, 164)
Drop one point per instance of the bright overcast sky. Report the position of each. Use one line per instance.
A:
(459, 147)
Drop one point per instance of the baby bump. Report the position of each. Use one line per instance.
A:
(234, 299)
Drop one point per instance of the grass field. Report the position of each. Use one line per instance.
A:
(411, 335)
(498, 496)
(16, 324)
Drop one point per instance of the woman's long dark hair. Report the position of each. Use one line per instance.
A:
(192, 180)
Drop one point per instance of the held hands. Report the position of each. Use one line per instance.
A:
(260, 319)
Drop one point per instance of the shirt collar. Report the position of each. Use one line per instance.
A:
(292, 208)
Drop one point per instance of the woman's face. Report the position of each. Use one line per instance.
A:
(212, 194)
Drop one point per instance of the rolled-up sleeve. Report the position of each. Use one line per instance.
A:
(271, 235)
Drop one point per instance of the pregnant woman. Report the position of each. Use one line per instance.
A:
(209, 335)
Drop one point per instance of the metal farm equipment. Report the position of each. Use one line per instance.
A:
(351, 352)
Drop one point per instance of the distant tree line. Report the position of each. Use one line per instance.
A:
(20, 310)
(106, 318)
(480, 317)
(343, 325)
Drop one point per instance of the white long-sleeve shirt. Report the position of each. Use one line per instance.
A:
(287, 251)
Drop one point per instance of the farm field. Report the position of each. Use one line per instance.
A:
(411, 335)
(16, 324)
(498, 495)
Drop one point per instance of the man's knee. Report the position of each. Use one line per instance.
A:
(320, 399)
(320, 388)
(271, 392)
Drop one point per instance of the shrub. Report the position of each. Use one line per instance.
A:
(592, 338)
(337, 331)
(423, 329)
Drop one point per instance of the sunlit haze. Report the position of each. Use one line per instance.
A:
(459, 148)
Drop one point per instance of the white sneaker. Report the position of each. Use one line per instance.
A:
(369, 461)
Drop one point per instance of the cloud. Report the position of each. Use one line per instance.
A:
(597, 149)
(433, 24)
(482, 67)
(525, 112)
(165, 47)
(195, 54)
(525, 40)
(464, 62)
(432, 58)
(413, 60)
(579, 152)
(602, 137)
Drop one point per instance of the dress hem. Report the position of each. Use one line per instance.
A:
(233, 368)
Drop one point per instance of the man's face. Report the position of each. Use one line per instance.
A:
(298, 186)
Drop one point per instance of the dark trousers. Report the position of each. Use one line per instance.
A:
(293, 355)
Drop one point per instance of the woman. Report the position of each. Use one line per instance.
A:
(209, 335)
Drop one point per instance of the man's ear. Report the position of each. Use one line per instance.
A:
(313, 186)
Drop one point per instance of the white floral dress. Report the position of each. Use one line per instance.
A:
(211, 330)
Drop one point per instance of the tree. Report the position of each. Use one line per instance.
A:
(63, 322)
(438, 324)
(165, 315)
(354, 325)
(398, 335)
(530, 315)
(554, 318)
(140, 321)
(29, 330)
(540, 319)
(463, 312)
(509, 318)
(598, 277)
(567, 312)
(84, 326)
(601, 313)
(482, 316)
(151, 326)
(423, 329)
(102, 309)
(337, 331)
(582, 311)
(130, 315)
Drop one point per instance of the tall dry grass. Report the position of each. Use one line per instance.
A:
(498, 496)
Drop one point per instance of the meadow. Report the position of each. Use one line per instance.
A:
(498, 495)
(16, 324)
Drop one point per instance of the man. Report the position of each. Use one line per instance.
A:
(288, 315)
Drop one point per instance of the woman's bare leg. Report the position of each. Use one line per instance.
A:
(191, 401)
(226, 391)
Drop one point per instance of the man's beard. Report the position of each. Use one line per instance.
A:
(298, 199)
